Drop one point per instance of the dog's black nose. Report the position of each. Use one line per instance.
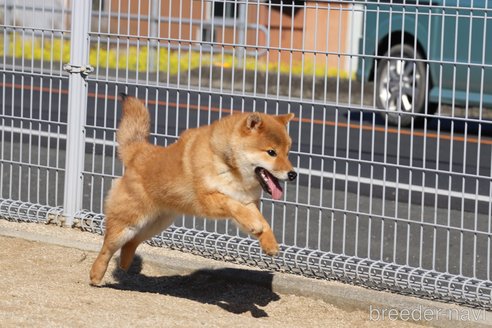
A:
(292, 175)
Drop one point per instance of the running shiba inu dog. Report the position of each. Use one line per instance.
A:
(215, 171)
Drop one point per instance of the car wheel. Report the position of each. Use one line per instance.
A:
(401, 85)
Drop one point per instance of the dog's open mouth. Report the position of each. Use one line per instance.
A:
(269, 183)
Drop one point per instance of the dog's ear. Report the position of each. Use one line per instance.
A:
(253, 121)
(284, 119)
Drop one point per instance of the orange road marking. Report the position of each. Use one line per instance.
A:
(354, 126)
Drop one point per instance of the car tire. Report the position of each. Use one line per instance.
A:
(401, 86)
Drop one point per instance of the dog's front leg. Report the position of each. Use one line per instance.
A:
(266, 237)
(248, 217)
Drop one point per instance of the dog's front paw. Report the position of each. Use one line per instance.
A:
(269, 244)
(255, 228)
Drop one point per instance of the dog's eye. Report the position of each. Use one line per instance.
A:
(272, 152)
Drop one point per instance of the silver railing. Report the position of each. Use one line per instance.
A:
(395, 179)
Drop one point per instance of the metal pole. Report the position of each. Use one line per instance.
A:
(242, 26)
(154, 26)
(77, 107)
(8, 12)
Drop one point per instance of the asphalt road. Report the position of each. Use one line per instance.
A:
(415, 196)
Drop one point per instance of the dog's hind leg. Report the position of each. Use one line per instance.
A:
(128, 253)
(128, 250)
(113, 240)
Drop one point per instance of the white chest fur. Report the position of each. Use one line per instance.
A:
(246, 190)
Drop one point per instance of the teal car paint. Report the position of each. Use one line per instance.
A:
(448, 44)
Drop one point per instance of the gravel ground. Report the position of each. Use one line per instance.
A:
(46, 285)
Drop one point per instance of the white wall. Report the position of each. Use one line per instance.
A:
(35, 14)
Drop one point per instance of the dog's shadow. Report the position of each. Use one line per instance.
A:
(234, 290)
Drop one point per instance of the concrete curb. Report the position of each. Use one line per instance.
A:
(377, 304)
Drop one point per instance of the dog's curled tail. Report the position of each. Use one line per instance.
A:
(133, 129)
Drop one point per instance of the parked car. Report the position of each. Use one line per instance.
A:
(421, 54)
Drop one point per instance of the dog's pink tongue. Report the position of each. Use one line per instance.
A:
(275, 188)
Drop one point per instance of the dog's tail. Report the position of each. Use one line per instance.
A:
(133, 129)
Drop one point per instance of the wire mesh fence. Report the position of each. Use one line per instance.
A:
(392, 136)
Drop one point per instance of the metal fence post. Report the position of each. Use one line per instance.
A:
(242, 26)
(154, 28)
(77, 107)
(7, 20)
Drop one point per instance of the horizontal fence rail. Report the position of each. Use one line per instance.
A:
(392, 138)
